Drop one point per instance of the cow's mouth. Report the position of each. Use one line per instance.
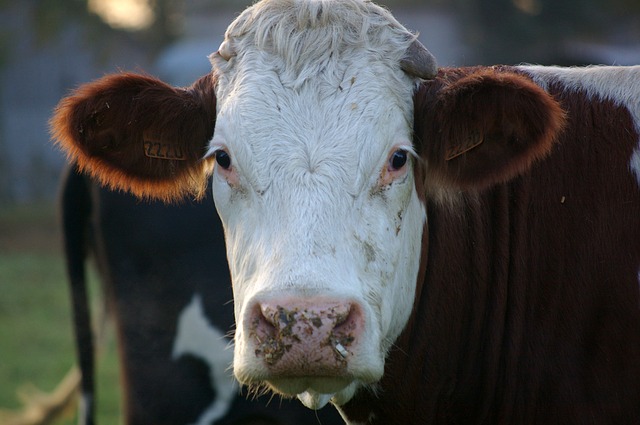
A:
(318, 391)
(313, 384)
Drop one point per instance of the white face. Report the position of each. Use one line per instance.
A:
(315, 188)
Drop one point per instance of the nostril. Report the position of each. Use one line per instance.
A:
(347, 321)
(262, 323)
(276, 316)
(347, 327)
(266, 333)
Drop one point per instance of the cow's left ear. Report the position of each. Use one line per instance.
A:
(135, 133)
(478, 127)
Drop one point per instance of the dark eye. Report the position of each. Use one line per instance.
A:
(398, 159)
(223, 159)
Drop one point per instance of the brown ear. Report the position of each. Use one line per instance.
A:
(136, 133)
(481, 126)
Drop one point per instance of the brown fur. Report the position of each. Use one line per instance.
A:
(104, 125)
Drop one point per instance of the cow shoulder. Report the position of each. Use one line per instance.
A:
(136, 133)
(476, 127)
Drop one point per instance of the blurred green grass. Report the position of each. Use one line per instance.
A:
(36, 339)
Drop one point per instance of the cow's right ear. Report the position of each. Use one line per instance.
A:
(133, 132)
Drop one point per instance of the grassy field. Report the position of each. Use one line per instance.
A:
(36, 343)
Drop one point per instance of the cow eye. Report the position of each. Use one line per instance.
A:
(398, 159)
(223, 159)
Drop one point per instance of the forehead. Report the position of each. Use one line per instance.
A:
(310, 78)
(337, 134)
(358, 107)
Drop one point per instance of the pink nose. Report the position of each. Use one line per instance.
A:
(306, 337)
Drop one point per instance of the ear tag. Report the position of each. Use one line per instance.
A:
(154, 148)
(473, 141)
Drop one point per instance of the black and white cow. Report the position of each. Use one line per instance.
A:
(165, 277)
(413, 245)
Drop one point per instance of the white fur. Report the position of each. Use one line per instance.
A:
(196, 336)
(309, 119)
(618, 84)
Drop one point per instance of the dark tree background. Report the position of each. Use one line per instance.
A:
(499, 31)
(509, 31)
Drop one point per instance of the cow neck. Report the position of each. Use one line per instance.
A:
(423, 378)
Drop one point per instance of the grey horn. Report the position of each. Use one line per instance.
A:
(419, 62)
(225, 50)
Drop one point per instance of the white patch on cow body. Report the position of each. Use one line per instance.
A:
(635, 163)
(195, 336)
(619, 84)
(86, 407)
(309, 119)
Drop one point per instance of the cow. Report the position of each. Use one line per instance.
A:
(165, 279)
(413, 244)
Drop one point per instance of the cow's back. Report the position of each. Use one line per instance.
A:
(155, 258)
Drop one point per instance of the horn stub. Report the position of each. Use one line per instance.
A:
(419, 62)
(225, 51)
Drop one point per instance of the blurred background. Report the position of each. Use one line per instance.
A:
(48, 47)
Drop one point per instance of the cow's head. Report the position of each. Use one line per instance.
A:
(316, 159)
